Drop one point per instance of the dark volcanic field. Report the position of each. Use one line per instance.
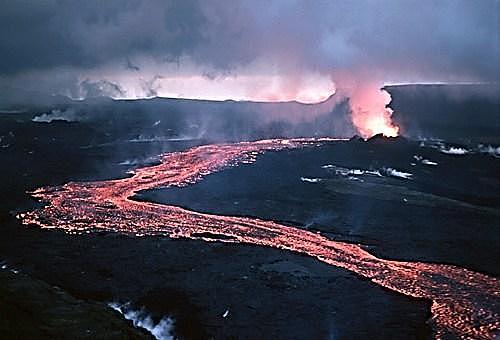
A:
(444, 213)
(269, 293)
(51, 281)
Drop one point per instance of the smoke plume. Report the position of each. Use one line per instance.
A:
(248, 50)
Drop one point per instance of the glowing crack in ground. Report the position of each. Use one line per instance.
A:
(465, 304)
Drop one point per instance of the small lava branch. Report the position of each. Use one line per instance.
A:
(464, 303)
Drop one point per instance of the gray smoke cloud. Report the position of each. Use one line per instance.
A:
(450, 39)
(275, 50)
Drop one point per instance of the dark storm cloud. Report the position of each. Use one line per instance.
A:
(399, 40)
(84, 34)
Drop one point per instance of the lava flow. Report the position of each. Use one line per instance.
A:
(465, 304)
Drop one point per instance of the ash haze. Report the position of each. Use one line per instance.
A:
(278, 50)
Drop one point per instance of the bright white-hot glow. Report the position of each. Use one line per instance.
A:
(370, 114)
(190, 82)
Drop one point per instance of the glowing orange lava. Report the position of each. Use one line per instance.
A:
(465, 304)
(372, 124)
(370, 114)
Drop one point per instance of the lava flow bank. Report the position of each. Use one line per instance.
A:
(465, 304)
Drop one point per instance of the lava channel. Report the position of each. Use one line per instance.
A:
(465, 304)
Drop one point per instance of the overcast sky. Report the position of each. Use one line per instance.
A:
(274, 50)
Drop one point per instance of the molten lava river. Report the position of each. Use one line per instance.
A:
(465, 304)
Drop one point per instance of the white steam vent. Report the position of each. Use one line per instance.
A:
(66, 115)
(163, 330)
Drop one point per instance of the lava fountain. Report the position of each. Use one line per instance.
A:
(465, 304)
(370, 114)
